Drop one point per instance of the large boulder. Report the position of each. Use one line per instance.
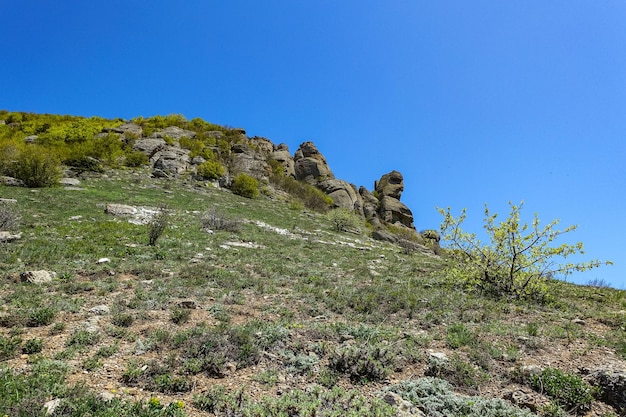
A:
(390, 184)
(310, 164)
(391, 210)
(171, 161)
(149, 145)
(343, 193)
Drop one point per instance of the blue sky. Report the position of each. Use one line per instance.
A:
(474, 102)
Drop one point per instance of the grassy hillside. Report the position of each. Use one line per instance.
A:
(270, 312)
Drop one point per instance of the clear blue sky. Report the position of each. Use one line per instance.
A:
(473, 101)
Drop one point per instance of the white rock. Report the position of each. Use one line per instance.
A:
(51, 406)
(37, 277)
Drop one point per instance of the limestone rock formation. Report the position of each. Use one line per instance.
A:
(310, 164)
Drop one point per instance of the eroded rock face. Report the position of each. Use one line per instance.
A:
(149, 145)
(249, 161)
(171, 161)
(370, 207)
(612, 385)
(263, 144)
(393, 211)
(282, 155)
(343, 194)
(310, 164)
(390, 185)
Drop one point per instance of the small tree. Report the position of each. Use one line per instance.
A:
(245, 186)
(519, 259)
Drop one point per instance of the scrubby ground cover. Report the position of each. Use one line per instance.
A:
(256, 307)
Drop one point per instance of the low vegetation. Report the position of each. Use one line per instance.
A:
(264, 307)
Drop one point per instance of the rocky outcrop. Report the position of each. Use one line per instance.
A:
(169, 162)
(149, 145)
(310, 164)
(370, 207)
(391, 185)
(248, 160)
(612, 386)
(262, 144)
(390, 209)
(281, 154)
(393, 211)
(343, 193)
(254, 156)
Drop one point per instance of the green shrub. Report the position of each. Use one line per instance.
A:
(458, 335)
(40, 317)
(157, 225)
(38, 167)
(8, 347)
(83, 163)
(211, 170)
(83, 338)
(122, 319)
(215, 220)
(245, 186)
(136, 159)
(311, 197)
(569, 391)
(180, 315)
(344, 220)
(32, 346)
(518, 262)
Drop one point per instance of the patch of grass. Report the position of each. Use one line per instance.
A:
(122, 319)
(458, 335)
(41, 317)
(267, 377)
(456, 371)
(180, 315)
(9, 347)
(215, 220)
(31, 346)
(568, 391)
(315, 402)
(83, 338)
(363, 363)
